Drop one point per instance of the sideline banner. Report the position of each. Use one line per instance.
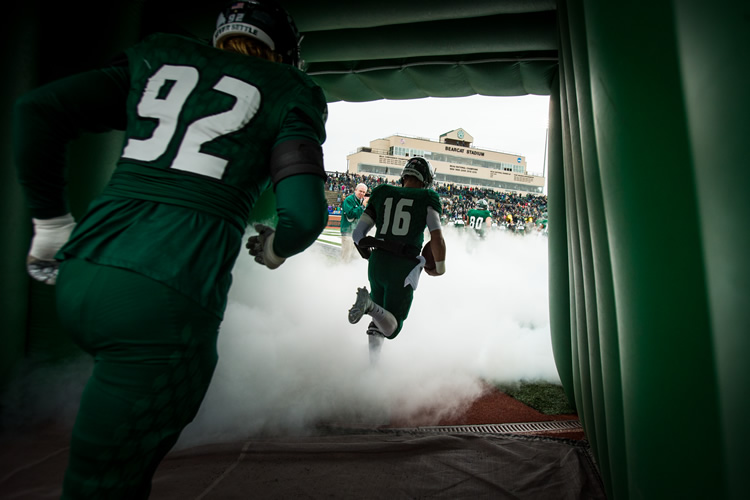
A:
(334, 221)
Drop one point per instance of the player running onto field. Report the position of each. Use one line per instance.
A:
(480, 218)
(145, 274)
(400, 216)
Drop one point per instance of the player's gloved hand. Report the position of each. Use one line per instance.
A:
(261, 247)
(49, 236)
(364, 246)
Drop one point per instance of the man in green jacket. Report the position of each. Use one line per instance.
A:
(351, 210)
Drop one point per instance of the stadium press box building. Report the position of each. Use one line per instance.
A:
(454, 158)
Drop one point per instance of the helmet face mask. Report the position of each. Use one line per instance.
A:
(421, 169)
(263, 20)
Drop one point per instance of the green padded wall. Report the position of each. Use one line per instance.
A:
(14, 223)
(645, 299)
(60, 42)
(595, 304)
(559, 291)
(658, 275)
(712, 47)
(583, 312)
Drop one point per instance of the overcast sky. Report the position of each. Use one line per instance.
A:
(514, 125)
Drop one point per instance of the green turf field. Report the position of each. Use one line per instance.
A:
(331, 237)
(544, 397)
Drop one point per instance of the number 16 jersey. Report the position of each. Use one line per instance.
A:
(401, 213)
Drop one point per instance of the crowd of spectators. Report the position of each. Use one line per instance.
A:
(343, 183)
(457, 200)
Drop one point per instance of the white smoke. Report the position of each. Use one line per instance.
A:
(289, 359)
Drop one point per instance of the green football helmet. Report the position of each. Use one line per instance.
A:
(264, 20)
(421, 169)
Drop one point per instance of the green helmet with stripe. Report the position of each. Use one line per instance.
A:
(421, 169)
(264, 20)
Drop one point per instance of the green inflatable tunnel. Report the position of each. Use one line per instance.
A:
(649, 269)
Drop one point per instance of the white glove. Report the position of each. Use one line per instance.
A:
(261, 246)
(49, 236)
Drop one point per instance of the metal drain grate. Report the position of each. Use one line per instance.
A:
(521, 428)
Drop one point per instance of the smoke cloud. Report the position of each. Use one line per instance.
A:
(289, 359)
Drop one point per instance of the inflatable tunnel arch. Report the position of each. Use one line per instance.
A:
(649, 274)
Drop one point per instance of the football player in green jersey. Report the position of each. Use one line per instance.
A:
(400, 216)
(146, 270)
(480, 218)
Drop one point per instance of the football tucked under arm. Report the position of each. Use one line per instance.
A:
(429, 258)
(434, 254)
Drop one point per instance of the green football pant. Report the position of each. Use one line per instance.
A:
(386, 273)
(154, 354)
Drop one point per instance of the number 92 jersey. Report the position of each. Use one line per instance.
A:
(401, 213)
(201, 125)
(193, 108)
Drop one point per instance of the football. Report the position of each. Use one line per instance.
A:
(428, 257)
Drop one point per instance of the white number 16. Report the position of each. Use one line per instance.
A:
(400, 219)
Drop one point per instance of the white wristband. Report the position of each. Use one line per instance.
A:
(440, 267)
(50, 235)
(270, 258)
